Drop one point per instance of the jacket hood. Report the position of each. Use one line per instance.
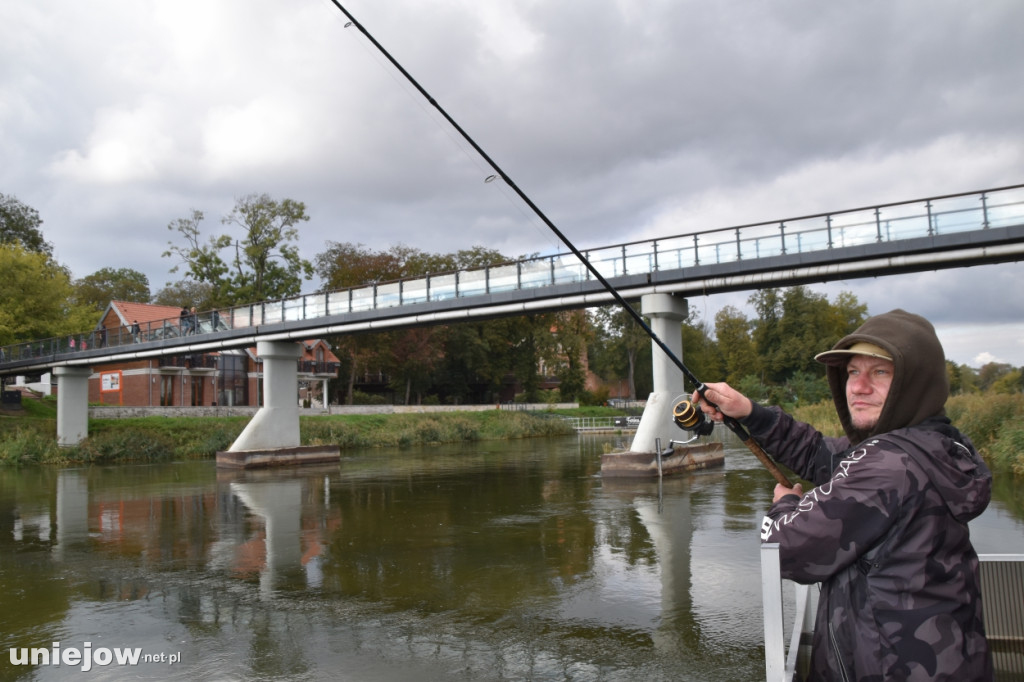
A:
(951, 463)
(919, 386)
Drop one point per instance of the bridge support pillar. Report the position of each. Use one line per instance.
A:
(666, 313)
(72, 404)
(276, 424)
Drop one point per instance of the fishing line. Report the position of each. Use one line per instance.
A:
(694, 417)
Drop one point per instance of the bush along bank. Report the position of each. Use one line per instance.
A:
(160, 439)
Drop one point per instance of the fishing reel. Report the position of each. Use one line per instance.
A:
(689, 417)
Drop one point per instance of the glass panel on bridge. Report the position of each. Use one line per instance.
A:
(639, 258)
(362, 299)
(906, 221)
(414, 291)
(337, 302)
(314, 305)
(854, 229)
(676, 253)
(389, 295)
(1005, 208)
(443, 287)
(716, 247)
(808, 234)
(504, 278)
(292, 309)
(568, 270)
(607, 261)
(535, 273)
(762, 241)
(957, 214)
(273, 311)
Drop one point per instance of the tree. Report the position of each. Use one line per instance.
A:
(36, 298)
(265, 263)
(795, 324)
(203, 261)
(572, 333)
(700, 351)
(188, 293)
(107, 284)
(732, 329)
(19, 224)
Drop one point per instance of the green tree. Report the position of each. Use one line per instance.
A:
(572, 333)
(107, 284)
(267, 264)
(701, 354)
(739, 358)
(188, 293)
(264, 264)
(36, 299)
(19, 224)
(795, 324)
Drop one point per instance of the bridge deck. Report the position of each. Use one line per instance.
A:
(926, 234)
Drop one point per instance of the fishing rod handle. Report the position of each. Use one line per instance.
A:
(758, 451)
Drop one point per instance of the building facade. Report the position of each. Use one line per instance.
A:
(228, 377)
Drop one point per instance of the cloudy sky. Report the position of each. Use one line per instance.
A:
(621, 119)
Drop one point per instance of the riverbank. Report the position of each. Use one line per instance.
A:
(29, 438)
(995, 422)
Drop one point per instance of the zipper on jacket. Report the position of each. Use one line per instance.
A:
(838, 655)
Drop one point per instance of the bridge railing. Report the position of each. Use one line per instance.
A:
(804, 234)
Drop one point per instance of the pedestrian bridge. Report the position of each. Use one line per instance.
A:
(934, 233)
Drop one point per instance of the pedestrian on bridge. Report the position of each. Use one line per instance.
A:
(885, 530)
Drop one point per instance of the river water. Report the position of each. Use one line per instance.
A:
(491, 561)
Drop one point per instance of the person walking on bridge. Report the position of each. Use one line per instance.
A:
(885, 530)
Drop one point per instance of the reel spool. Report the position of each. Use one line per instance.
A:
(688, 417)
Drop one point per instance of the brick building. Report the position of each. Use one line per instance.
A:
(228, 377)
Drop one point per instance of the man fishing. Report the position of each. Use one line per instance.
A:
(885, 530)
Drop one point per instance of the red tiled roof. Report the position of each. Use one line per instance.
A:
(145, 312)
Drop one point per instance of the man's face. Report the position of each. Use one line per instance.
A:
(867, 386)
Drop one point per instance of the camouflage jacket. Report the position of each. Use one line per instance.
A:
(885, 533)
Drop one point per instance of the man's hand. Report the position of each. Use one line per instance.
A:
(781, 491)
(728, 400)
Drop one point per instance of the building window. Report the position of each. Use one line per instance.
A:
(197, 391)
(234, 381)
(167, 382)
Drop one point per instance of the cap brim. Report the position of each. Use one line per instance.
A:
(841, 357)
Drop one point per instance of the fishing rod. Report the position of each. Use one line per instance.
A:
(686, 415)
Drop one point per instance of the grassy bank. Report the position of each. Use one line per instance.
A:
(994, 422)
(29, 438)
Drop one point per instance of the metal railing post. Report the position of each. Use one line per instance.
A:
(771, 600)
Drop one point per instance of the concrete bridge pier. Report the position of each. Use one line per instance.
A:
(272, 437)
(276, 424)
(72, 404)
(666, 313)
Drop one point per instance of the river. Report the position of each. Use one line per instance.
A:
(491, 561)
